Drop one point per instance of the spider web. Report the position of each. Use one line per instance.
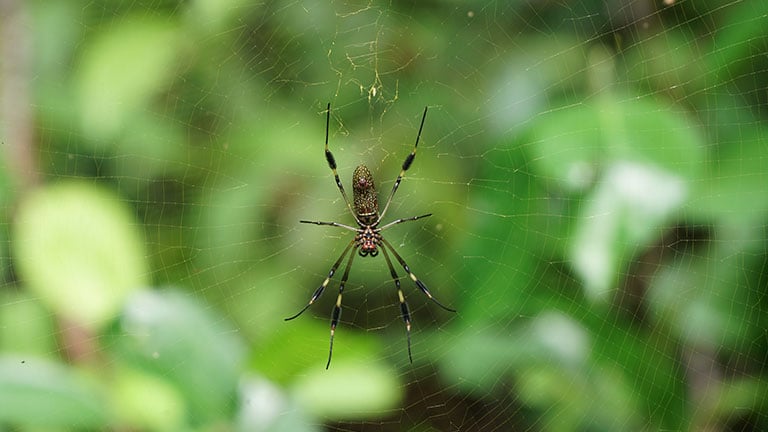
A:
(595, 171)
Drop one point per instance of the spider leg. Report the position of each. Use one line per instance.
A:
(413, 277)
(406, 164)
(337, 307)
(319, 291)
(399, 221)
(406, 314)
(332, 163)
(336, 224)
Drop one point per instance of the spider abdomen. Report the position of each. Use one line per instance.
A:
(364, 197)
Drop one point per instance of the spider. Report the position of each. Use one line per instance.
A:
(368, 239)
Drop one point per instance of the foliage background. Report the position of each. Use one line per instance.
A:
(596, 171)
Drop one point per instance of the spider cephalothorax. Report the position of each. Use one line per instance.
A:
(368, 242)
(368, 239)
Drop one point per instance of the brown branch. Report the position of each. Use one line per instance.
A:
(16, 115)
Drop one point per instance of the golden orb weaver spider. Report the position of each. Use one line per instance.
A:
(368, 239)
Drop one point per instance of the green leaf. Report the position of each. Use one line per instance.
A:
(7, 196)
(212, 16)
(122, 68)
(668, 63)
(732, 191)
(145, 401)
(177, 339)
(637, 158)
(739, 44)
(569, 146)
(737, 398)
(77, 248)
(38, 393)
(264, 407)
(480, 357)
(628, 208)
(511, 227)
(550, 358)
(708, 298)
(305, 342)
(645, 366)
(26, 325)
(349, 390)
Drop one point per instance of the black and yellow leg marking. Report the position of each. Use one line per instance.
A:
(332, 163)
(406, 314)
(319, 291)
(406, 164)
(337, 307)
(336, 224)
(399, 221)
(413, 277)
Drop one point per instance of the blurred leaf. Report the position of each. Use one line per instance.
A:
(26, 327)
(571, 145)
(348, 390)
(480, 358)
(264, 407)
(647, 365)
(151, 148)
(741, 398)
(77, 248)
(305, 342)
(567, 146)
(549, 360)
(146, 401)
(668, 63)
(54, 50)
(122, 68)
(239, 216)
(631, 203)
(708, 297)
(213, 16)
(641, 154)
(521, 88)
(38, 393)
(740, 42)
(171, 335)
(732, 190)
(5, 202)
(577, 400)
(509, 235)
